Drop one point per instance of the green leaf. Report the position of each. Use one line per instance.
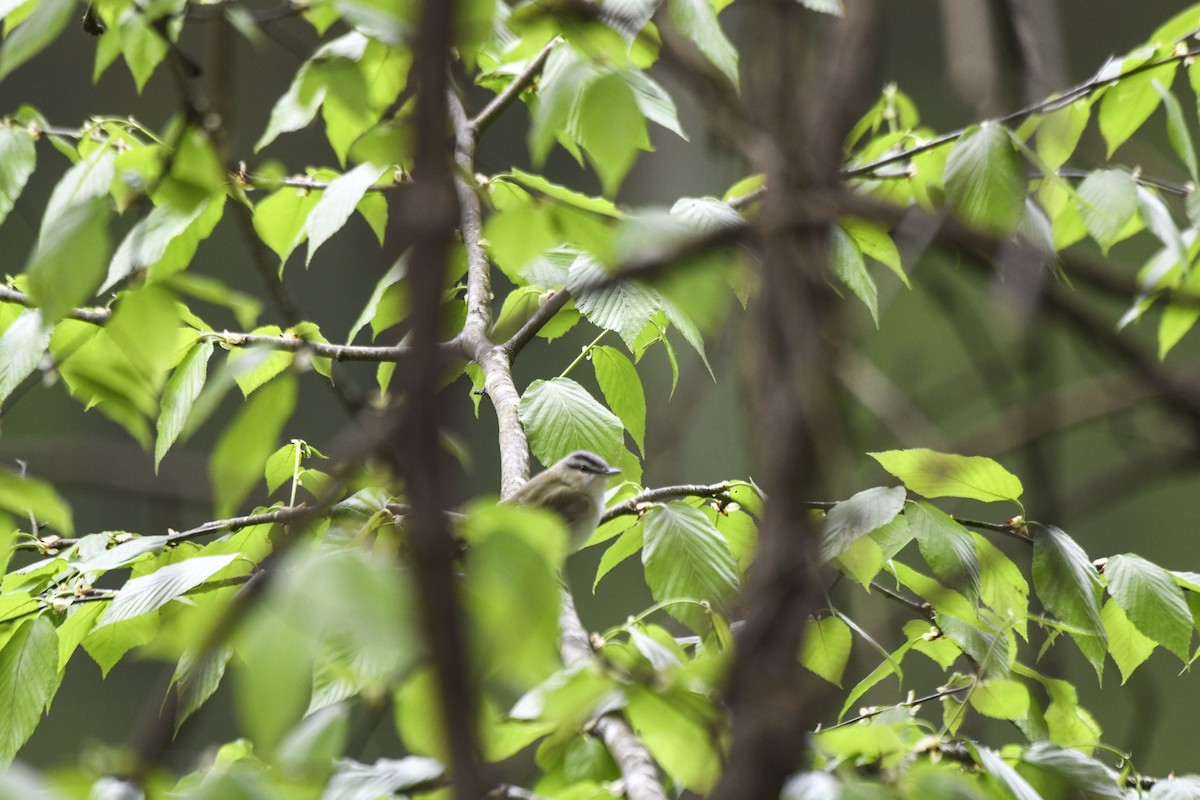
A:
(1129, 103)
(985, 180)
(48, 20)
(387, 777)
(947, 547)
(297, 107)
(697, 20)
(28, 677)
(826, 648)
(848, 264)
(272, 693)
(1000, 698)
(1003, 774)
(1157, 217)
(1180, 26)
(1059, 132)
(934, 474)
(1069, 587)
(1148, 594)
(1128, 646)
(687, 558)
(612, 129)
(1183, 787)
(109, 644)
(626, 307)
(25, 496)
(857, 516)
(1002, 587)
(21, 348)
(873, 240)
(679, 741)
(560, 417)
(1083, 776)
(280, 219)
(65, 269)
(629, 542)
(1177, 131)
(564, 82)
(17, 161)
(148, 593)
(594, 205)
(653, 101)
(148, 240)
(622, 388)
(181, 391)
(195, 680)
(1108, 199)
(253, 367)
(88, 178)
(242, 450)
(146, 326)
(336, 205)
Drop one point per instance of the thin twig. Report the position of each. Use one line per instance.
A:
(510, 93)
(929, 698)
(1044, 107)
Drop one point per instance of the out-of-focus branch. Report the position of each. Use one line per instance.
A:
(804, 114)
(429, 217)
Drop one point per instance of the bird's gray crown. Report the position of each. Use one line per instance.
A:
(590, 463)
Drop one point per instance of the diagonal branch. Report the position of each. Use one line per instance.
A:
(478, 123)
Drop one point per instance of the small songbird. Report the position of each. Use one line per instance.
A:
(574, 489)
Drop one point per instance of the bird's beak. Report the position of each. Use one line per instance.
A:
(613, 471)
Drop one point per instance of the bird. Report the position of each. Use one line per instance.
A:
(572, 488)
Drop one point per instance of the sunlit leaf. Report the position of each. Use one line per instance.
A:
(934, 474)
(826, 648)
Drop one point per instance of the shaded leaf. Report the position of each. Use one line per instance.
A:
(1148, 594)
(1069, 587)
(857, 516)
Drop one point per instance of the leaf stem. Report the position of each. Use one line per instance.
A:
(583, 354)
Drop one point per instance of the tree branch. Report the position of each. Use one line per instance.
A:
(1062, 100)
(510, 93)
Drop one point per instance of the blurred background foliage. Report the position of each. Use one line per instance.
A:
(955, 364)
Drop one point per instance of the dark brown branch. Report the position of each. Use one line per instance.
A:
(429, 217)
